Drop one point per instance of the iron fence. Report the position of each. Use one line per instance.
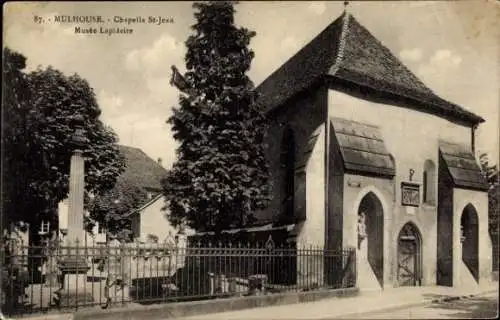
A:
(42, 279)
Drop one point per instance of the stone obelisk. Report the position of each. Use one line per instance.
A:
(75, 200)
(74, 264)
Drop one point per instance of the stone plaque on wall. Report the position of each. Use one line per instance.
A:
(410, 194)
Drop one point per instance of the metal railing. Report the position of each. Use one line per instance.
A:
(34, 281)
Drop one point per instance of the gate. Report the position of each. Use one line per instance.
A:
(409, 256)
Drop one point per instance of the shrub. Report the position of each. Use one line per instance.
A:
(14, 284)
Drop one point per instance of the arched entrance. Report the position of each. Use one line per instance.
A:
(371, 237)
(409, 256)
(469, 238)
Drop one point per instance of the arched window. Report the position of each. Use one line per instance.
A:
(429, 182)
(287, 160)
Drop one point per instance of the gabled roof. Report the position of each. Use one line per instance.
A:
(141, 171)
(462, 166)
(145, 205)
(362, 148)
(347, 52)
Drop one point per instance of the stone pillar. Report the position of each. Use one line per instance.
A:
(73, 264)
(75, 204)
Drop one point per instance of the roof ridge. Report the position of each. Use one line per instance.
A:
(145, 205)
(342, 42)
(301, 51)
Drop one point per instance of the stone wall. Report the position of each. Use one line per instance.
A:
(412, 138)
(303, 114)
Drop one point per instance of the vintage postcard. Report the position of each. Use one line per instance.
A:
(252, 159)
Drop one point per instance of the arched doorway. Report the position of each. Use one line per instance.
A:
(371, 237)
(409, 256)
(469, 238)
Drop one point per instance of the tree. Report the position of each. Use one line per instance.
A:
(113, 209)
(15, 140)
(221, 175)
(40, 111)
(492, 176)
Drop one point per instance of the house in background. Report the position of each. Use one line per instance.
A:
(150, 225)
(149, 222)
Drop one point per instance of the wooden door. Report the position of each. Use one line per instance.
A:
(407, 262)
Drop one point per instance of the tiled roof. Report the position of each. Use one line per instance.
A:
(462, 166)
(302, 69)
(141, 171)
(346, 51)
(362, 148)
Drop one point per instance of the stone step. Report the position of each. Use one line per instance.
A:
(367, 281)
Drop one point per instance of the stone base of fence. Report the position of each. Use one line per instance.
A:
(186, 309)
(71, 299)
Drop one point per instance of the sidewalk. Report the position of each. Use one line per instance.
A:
(392, 298)
(344, 308)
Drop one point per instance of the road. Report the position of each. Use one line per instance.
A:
(481, 307)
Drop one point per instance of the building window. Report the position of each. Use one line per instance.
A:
(429, 182)
(100, 228)
(44, 227)
(287, 161)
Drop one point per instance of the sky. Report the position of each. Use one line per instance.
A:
(452, 46)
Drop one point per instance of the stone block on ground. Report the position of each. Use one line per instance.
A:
(257, 284)
(73, 299)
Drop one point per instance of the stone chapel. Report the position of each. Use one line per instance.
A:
(364, 155)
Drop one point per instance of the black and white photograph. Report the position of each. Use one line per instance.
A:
(250, 160)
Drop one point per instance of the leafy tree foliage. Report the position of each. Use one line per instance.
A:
(113, 209)
(491, 173)
(221, 175)
(16, 140)
(40, 110)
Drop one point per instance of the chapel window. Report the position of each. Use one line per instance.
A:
(429, 182)
(287, 159)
